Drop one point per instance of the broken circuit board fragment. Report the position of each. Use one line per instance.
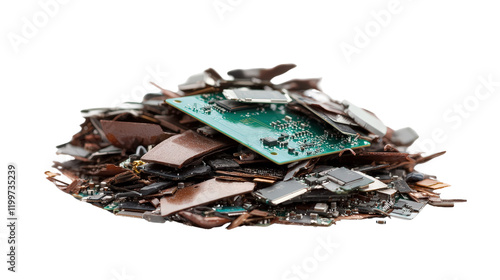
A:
(271, 130)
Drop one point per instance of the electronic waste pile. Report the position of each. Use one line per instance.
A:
(245, 151)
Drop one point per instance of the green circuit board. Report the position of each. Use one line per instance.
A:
(271, 130)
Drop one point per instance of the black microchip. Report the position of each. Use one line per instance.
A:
(176, 174)
(95, 198)
(234, 106)
(155, 187)
(270, 141)
(402, 187)
(223, 164)
(135, 207)
(321, 180)
(345, 175)
(311, 180)
(414, 206)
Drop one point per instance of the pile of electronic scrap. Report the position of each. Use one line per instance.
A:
(245, 151)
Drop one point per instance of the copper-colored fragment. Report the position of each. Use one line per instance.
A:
(441, 203)
(203, 222)
(454, 200)
(390, 148)
(300, 168)
(243, 162)
(265, 74)
(421, 159)
(203, 90)
(149, 119)
(79, 138)
(427, 183)
(155, 202)
(124, 177)
(265, 181)
(183, 148)
(413, 160)
(105, 170)
(172, 123)
(169, 191)
(51, 176)
(167, 93)
(357, 217)
(203, 193)
(93, 147)
(246, 175)
(301, 84)
(129, 135)
(75, 186)
(187, 119)
(426, 191)
(238, 221)
(431, 184)
(231, 178)
(260, 213)
(418, 196)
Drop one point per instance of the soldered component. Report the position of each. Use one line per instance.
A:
(346, 179)
(282, 191)
(256, 96)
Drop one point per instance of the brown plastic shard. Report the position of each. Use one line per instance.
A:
(105, 170)
(207, 79)
(261, 73)
(203, 193)
(232, 179)
(172, 123)
(169, 191)
(167, 93)
(298, 168)
(301, 84)
(129, 135)
(79, 139)
(259, 213)
(439, 202)
(203, 222)
(182, 149)
(374, 157)
(420, 159)
(239, 221)
(75, 186)
(124, 177)
(51, 176)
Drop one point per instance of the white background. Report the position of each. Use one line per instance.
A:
(427, 60)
